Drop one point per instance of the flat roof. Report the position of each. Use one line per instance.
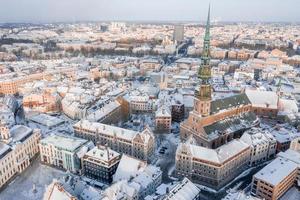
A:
(46, 120)
(20, 133)
(68, 143)
(276, 171)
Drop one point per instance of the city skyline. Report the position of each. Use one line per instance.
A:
(34, 11)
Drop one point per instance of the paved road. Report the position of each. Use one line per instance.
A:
(167, 160)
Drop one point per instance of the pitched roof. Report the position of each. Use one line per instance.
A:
(229, 102)
(231, 124)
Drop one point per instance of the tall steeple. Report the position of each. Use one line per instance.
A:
(204, 72)
(203, 96)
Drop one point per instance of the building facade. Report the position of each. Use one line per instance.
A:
(45, 102)
(262, 144)
(163, 120)
(63, 152)
(100, 163)
(212, 167)
(18, 147)
(275, 179)
(137, 144)
(177, 112)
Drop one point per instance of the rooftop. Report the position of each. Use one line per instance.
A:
(276, 171)
(102, 153)
(68, 143)
(107, 129)
(229, 102)
(269, 100)
(20, 133)
(46, 120)
(129, 167)
(56, 191)
(218, 155)
(185, 190)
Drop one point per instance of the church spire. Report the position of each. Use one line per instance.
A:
(203, 96)
(207, 28)
(204, 72)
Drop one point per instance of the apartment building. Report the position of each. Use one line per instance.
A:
(137, 144)
(262, 144)
(100, 163)
(212, 167)
(44, 102)
(18, 146)
(63, 151)
(275, 179)
(163, 119)
(7, 171)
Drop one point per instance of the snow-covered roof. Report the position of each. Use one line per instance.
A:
(120, 190)
(101, 113)
(128, 167)
(45, 120)
(276, 171)
(19, 133)
(218, 155)
(288, 106)
(256, 136)
(239, 195)
(56, 191)
(102, 153)
(263, 99)
(291, 155)
(68, 143)
(185, 190)
(109, 130)
(163, 111)
(285, 134)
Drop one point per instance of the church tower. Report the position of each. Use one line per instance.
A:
(203, 96)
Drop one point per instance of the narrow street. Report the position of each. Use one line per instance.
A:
(166, 161)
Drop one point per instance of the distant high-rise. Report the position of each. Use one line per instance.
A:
(178, 34)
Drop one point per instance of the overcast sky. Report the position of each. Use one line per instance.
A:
(148, 10)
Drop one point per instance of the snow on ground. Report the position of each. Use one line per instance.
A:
(22, 186)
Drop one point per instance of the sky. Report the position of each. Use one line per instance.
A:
(148, 10)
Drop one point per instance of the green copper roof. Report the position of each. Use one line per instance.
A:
(204, 72)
